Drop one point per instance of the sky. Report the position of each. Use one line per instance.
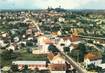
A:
(43, 4)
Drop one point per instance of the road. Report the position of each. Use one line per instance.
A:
(91, 37)
(72, 62)
(68, 58)
(36, 24)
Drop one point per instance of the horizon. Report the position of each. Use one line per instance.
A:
(44, 4)
(46, 8)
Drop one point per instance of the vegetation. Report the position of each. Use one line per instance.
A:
(21, 55)
(8, 55)
(78, 53)
(103, 57)
(52, 48)
(14, 68)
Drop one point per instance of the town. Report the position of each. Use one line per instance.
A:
(52, 40)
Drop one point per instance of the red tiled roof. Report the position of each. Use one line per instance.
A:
(93, 56)
(50, 56)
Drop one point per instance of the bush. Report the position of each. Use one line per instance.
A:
(8, 55)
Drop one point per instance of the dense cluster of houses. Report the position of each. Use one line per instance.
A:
(26, 33)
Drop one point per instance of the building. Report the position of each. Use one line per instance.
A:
(57, 63)
(61, 19)
(43, 43)
(29, 31)
(92, 58)
(11, 47)
(64, 43)
(44, 40)
(2, 44)
(41, 65)
(102, 65)
(41, 49)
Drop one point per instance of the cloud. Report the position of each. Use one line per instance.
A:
(96, 4)
(67, 4)
(16, 4)
(56, 3)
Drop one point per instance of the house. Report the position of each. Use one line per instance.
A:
(44, 40)
(2, 44)
(54, 33)
(28, 31)
(61, 41)
(38, 33)
(102, 65)
(67, 43)
(12, 47)
(24, 36)
(61, 19)
(92, 58)
(71, 48)
(64, 42)
(59, 33)
(58, 71)
(41, 65)
(74, 38)
(22, 43)
(30, 38)
(4, 34)
(16, 39)
(41, 49)
(43, 43)
(57, 63)
(13, 32)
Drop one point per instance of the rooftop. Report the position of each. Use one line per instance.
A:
(29, 62)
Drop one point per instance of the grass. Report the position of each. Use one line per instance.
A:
(29, 56)
(24, 55)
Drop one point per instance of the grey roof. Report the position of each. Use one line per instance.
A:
(29, 62)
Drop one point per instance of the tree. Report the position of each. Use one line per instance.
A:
(66, 49)
(53, 48)
(103, 57)
(14, 68)
(82, 52)
(75, 54)
(36, 70)
(99, 69)
(29, 50)
(26, 70)
(8, 55)
(35, 40)
(79, 53)
(91, 67)
(74, 70)
(29, 43)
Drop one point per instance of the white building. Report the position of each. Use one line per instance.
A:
(11, 47)
(61, 19)
(66, 43)
(58, 71)
(2, 44)
(102, 65)
(41, 65)
(4, 34)
(95, 62)
(43, 43)
(41, 49)
(16, 39)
